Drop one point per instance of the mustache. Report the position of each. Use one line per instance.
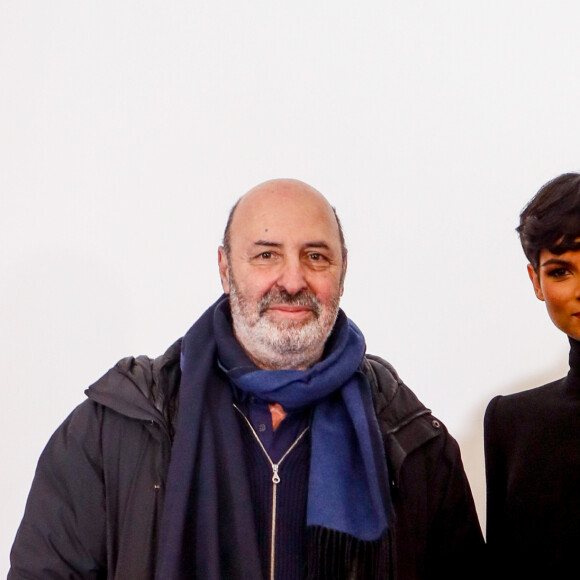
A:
(280, 296)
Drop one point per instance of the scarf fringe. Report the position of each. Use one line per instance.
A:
(340, 556)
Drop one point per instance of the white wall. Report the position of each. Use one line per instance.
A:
(128, 129)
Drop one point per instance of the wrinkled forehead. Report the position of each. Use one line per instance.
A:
(287, 212)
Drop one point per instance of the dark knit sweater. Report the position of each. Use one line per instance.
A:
(532, 448)
(291, 495)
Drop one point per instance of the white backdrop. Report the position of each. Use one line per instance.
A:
(129, 128)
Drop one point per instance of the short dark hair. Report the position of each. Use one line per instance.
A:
(227, 235)
(227, 240)
(551, 219)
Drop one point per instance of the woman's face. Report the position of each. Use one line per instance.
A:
(557, 283)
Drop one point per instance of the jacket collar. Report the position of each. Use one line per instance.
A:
(146, 389)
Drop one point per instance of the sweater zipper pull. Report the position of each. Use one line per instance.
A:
(275, 476)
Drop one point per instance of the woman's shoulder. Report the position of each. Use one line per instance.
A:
(509, 414)
(533, 396)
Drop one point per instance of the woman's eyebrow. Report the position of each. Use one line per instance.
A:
(555, 262)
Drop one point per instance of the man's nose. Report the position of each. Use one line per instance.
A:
(292, 277)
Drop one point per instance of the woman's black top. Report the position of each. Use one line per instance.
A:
(532, 454)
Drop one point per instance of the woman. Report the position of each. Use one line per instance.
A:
(532, 439)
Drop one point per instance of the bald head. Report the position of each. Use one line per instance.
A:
(281, 191)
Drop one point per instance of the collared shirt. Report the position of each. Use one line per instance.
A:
(275, 441)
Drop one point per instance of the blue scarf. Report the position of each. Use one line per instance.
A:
(207, 527)
(347, 455)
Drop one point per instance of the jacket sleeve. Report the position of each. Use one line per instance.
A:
(62, 534)
(436, 530)
(456, 543)
(439, 532)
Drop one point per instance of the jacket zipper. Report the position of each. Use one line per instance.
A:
(275, 481)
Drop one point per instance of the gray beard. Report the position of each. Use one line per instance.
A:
(283, 344)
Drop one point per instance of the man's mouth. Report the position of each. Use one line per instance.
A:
(293, 307)
(290, 311)
(290, 307)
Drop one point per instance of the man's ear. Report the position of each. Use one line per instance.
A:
(343, 276)
(224, 269)
(536, 282)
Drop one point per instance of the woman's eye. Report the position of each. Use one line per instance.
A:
(558, 273)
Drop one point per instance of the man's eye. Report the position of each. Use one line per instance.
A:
(265, 255)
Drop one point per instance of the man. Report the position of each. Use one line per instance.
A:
(264, 444)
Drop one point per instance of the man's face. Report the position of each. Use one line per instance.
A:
(283, 274)
(557, 283)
